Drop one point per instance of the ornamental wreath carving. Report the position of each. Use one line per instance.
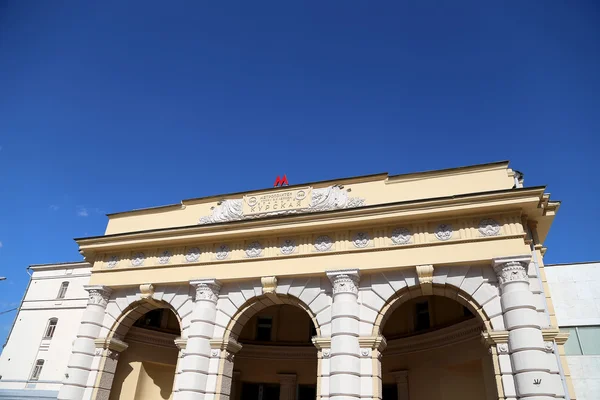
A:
(443, 232)
(254, 249)
(112, 261)
(323, 199)
(361, 240)
(164, 257)
(323, 243)
(222, 252)
(192, 254)
(401, 236)
(288, 247)
(510, 272)
(138, 259)
(489, 227)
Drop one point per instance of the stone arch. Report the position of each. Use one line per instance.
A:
(126, 305)
(237, 303)
(475, 287)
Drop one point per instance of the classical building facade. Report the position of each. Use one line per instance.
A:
(419, 286)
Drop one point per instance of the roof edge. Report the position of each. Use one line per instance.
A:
(72, 264)
(445, 171)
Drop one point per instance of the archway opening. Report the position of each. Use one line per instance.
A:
(434, 351)
(146, 369)
(277, 356)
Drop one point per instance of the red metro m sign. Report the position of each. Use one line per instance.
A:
(281, 181)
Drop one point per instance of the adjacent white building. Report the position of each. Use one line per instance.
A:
(575, 290)
(34, 359)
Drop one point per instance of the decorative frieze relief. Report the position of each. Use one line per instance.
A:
(292, 201)
(289, 246)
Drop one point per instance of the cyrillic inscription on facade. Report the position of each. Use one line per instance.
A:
(280, 201)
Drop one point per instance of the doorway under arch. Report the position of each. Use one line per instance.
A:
(434, 351)
(146, 369)
(277, 358)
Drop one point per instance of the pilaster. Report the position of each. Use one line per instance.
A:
(84, 348)
(345, 349)
(535, 373)
(287, 386)
(192, 380)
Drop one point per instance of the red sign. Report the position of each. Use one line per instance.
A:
(281, 182)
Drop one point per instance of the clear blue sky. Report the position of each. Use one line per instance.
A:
(106, 106)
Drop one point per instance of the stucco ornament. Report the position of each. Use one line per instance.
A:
(112, 261)
(215, 353)
(222, 252)
(323, 199)
(361, 240)
(323, 243)
(511, 271)
(192, 254)
(344, 282)
(502, 348)
(98, 295)
(365, 352)
(288, 246)
(254, 249)
(164, 257)
(326, 353)
(401, 235)
(138, 259)
(443, 232)
(549, 347)
(489, 227)
(207, 290)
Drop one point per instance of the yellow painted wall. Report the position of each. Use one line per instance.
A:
(450, 373)
(144, 370)
(376, 190)
(290, 325)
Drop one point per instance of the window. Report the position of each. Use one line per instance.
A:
(263, 328)
(37, 370)
(583, 340)
(422, 316)
(51, 328)
(63, 290)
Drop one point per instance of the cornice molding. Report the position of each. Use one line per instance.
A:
(449, 336)
(351, 216)
(148, 336)
(261, 352)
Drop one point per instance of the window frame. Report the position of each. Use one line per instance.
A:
(62, 292)
(37, 370)
(50, 325)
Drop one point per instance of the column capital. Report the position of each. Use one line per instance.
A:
(400, 376)
(98, 294)
(511, 269)
(344, 281)
(287, 378)
(206, 289)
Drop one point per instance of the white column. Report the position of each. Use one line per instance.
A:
(287, 386)
(82, 355)
(191, 382)
(344, 381)
(530, 363)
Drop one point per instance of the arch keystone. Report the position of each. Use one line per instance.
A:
(425, 275)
